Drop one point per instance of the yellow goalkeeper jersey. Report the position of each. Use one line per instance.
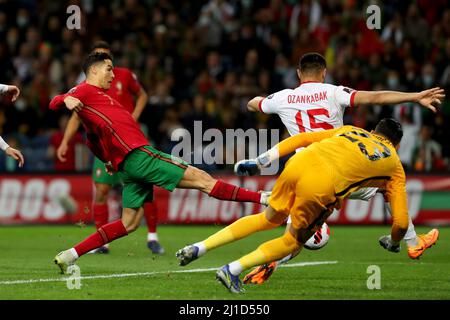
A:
(356, 159)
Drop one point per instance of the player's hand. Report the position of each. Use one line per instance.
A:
(73, 104)
(16, 154)
(246, 167)
(431, 97)
(14, 91)
(61, 152)
(109, 168)
(387, 243)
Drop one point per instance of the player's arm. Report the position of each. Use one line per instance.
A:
(254, 105)
(426, 98)
(141, 103)
(396, 195)
(69, 100)
(13, 153)
(71, 130)
(285, 147)
(10, 89)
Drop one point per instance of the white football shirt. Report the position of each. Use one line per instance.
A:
(312, 106)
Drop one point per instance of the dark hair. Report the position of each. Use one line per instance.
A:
(312, 62)
(391, 129)
(94, 58)
(101, 45)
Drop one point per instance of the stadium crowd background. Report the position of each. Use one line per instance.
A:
(204, 60)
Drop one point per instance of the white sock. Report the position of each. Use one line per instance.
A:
(152, 236)
(285, 259)
(410, 235)
(74, 253)
(235, 268)
(201, 248)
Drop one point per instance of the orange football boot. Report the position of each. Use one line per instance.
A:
(260, 274)
(425, 242)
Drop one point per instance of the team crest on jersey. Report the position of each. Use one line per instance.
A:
(98, 172)
(119, 86)
(72, 90)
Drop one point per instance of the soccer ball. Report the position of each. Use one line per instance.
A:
(319, 239)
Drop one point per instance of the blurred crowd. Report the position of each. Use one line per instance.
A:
(204, 60)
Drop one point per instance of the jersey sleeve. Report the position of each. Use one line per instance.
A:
(271, 103)
(58, 101)
(344, 96)
(133, 83)
(300, 140)
(396, 194)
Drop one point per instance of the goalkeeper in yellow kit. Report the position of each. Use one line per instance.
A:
(336, 163)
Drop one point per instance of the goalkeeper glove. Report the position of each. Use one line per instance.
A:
(250, 167)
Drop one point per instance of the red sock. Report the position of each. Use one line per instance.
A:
(100, 214)
(226, 191)
(151, 216)
(103, 235)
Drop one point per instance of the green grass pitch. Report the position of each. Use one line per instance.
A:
(130, 271)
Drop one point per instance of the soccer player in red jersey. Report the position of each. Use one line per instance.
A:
(116, 139)
(124, 88)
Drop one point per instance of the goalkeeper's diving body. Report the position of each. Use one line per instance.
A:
(336, 163)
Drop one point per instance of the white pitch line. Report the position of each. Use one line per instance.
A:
(146, 274)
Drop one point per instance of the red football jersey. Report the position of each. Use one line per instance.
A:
(124, 87)
(111, 131)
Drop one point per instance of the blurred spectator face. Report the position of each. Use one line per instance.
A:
(62, 123)
(152, 62)
(162, 90)
(428, 74)
(54, 24)
(12, 38)
(374, 60)
(392, 80)
(251, 59)
(199, 103)
(22, 18)
(45, 53)
(246, 32)
(213, 60)
(425, 133)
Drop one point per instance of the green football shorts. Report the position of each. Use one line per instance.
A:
(99, 174)
(144, 167)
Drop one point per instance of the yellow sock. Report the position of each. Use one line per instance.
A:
(270, 251)
(238, 230)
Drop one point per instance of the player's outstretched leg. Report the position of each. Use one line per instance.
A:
(237, 230)
(130, 222)
(195, 178)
